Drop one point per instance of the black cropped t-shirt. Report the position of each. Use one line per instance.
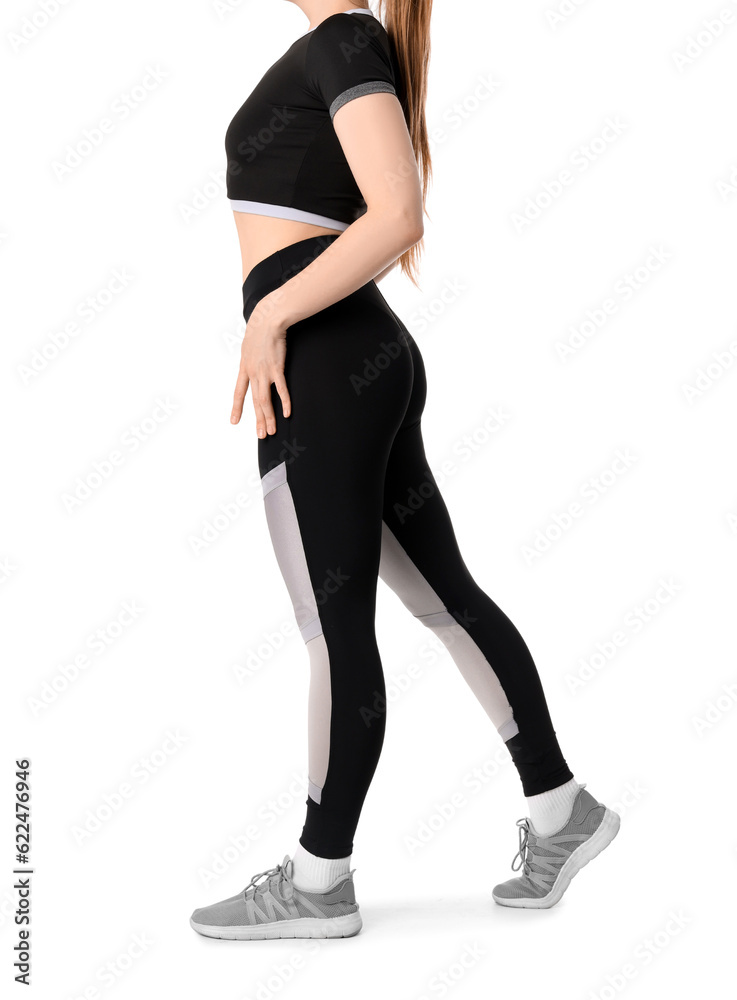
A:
(284, 158)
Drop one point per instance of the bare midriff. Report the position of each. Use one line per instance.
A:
(262, 235)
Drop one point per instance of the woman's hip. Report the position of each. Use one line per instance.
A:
(357, 338)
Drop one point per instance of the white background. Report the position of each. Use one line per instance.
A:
(502, 297)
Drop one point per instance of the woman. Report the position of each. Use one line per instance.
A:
(324, 181)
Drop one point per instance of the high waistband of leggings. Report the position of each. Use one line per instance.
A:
(280, 266)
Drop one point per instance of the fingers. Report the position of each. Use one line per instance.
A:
(260, 385)
(265, 418)
(241, 388)
(260, 419)
(281, 387)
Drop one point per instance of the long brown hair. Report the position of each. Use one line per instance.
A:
(407, 24)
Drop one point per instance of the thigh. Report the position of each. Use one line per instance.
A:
(323, 471)
(420, 526)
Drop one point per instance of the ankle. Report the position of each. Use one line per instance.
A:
(550, 810)
(314, 874)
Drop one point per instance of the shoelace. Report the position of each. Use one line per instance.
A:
(269, 873)
(524, 832)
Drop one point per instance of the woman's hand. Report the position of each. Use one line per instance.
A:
(263, 354)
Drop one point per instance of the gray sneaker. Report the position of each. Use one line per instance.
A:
(276, 908)
(549, 863)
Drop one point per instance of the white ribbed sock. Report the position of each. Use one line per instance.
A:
(315, 874)
(550, 810)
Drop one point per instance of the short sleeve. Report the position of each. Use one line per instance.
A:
(346, 59)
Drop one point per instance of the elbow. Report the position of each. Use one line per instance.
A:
(409, 229)
(417, 232)
(402, 224)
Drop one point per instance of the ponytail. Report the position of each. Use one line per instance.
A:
(407, 24)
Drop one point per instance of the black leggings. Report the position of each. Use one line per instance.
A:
(349, 496)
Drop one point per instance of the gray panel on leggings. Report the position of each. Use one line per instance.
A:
(400, 573)
(274, 477)
(318, 717)
(397, 569)
(480, 677)
(437, 618)
(281, 517)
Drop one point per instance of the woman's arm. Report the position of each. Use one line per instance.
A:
(373, 135)
(383, 274)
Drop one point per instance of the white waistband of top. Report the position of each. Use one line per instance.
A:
(283, 212)
(353, 10)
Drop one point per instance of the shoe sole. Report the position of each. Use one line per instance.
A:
(300, 927)
(604, 835)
